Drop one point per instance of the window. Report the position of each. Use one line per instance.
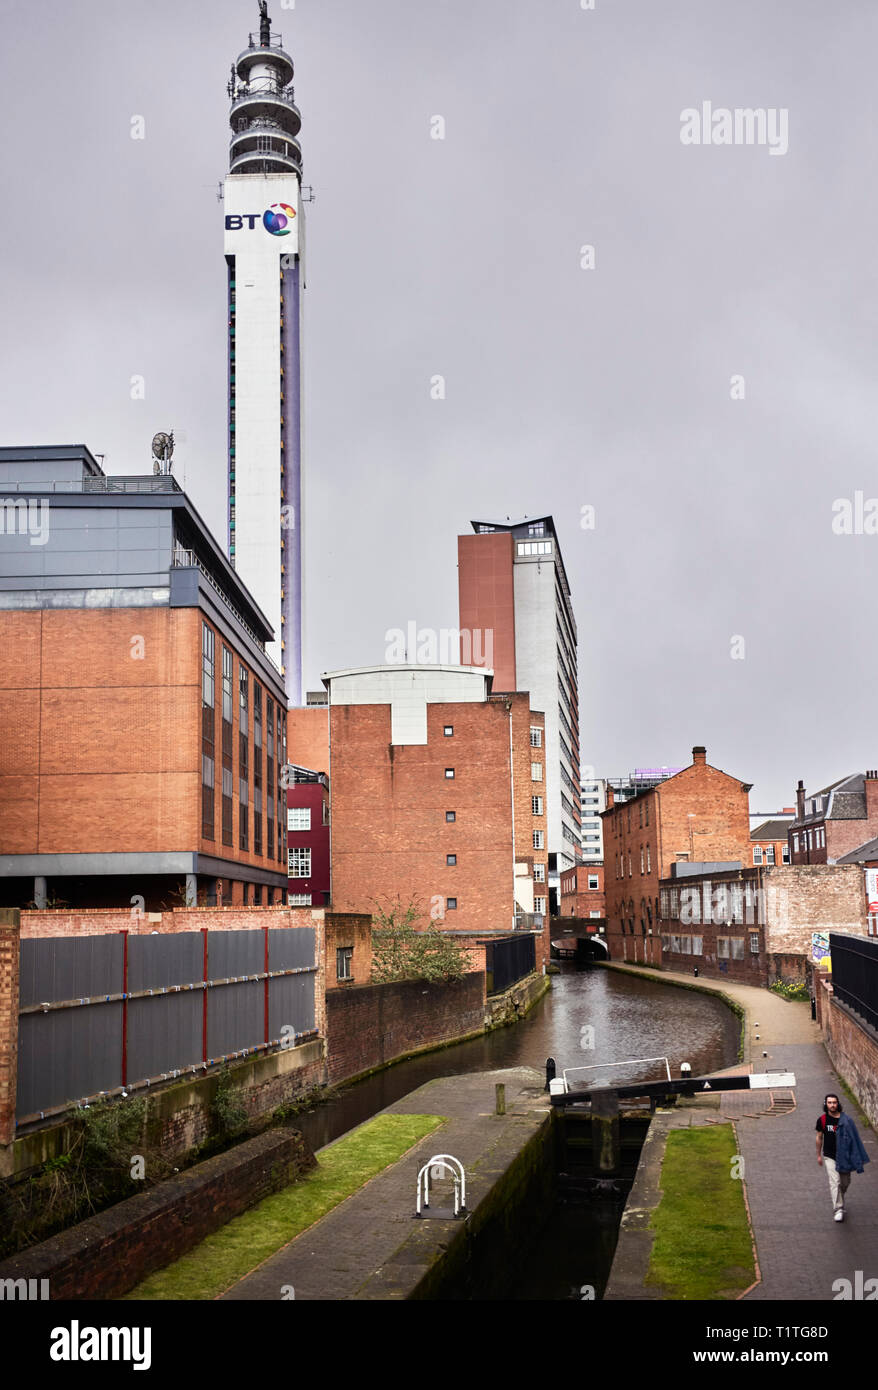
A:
(769, 854)
(648, 863)
(344, 963)
(539, 838)
(450, 815)
(536, 738)
(451, 904)
(539, 873)
(593, 881)
(757, 854)
(594, 914)
(299, 900)
(641, 859)
(722, 947)
(536, 805)
(785, 854)
(449, 772)
(451, 859)
(536, 528)
(536, 772)
(539, 905)
(697, 945)
(630, 870)
(208, 730)
(448, 730)
(299, 818)
(754, 943)
(299, 863)
(647, 813)
(796, 843)
(737, 947)
(534, 547)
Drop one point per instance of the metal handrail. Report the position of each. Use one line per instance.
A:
(187, 559)
(252, 93)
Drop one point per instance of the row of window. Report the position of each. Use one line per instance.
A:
(568, 885)
(811, 839)
(769, 855)
(645, 863)
(274, 732)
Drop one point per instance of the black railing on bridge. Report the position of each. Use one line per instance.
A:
(508, 960)
(855, 974)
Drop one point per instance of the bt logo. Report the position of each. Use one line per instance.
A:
(277, 220)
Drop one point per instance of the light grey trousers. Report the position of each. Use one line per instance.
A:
(838, 1183)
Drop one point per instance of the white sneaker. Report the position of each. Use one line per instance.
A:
(839, 1216)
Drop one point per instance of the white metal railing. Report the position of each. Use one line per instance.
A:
(437, 1167)
(632, 1061)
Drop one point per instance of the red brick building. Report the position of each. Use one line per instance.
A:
(755, 925)
(308, 837)
(582, 891)
(769, 841)
(835, 820)
(437, 797)
(700, 815)
(142, 725)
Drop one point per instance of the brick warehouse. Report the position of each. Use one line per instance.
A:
(698, 814)
(426, 768)
(754, 925)
(142, 725)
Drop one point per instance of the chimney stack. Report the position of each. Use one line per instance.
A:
(699, 755)
(871, 789)
(800, 801)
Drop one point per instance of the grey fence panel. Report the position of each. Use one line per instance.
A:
(73, 967)
(164, 1034)
(289, 948)
(235, 953)
(291, 1004)
(155, 962)
(68, 1054)
(235, 1018)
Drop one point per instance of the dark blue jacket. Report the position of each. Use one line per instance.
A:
(850, 1155)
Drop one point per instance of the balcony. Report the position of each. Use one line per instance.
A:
(267, 102)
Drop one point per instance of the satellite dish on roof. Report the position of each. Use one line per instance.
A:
(162, 451)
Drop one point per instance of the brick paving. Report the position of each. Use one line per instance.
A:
(371, 1246)
(801, 1250)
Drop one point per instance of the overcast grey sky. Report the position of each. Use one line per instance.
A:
(566, 387)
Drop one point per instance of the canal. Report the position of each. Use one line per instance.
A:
(590, 1018)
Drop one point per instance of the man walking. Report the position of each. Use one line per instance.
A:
(840, 1150)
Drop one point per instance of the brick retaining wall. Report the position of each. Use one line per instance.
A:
(110, 1253)
(368, 1026)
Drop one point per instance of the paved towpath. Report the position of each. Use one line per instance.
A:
(801, 1250)
(370, 1246)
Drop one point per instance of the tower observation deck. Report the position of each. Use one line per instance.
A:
(264, 117)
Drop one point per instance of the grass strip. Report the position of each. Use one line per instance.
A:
(233, 1251)
(703, 1247)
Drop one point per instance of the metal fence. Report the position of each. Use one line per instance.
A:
(855, 974)
(102, 1014)
(507, 961)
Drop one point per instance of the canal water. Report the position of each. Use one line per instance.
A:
(590, 1017)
